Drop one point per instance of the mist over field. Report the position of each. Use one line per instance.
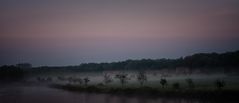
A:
(213, 74)
(119, 51)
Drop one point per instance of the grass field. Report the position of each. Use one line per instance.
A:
(201, 81)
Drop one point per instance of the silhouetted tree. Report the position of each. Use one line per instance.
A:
(107, 78)
(219, 84)
(163, 82)
(123, 78)
(142, 78)
(86, 81)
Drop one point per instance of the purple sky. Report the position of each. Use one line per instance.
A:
(70, 32)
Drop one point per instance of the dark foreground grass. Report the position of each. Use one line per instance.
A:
(228, 95)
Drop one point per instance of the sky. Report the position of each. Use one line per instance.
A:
(70, 32)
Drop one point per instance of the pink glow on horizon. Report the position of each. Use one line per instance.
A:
(113, 30)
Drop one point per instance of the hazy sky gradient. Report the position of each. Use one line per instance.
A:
(69, 32)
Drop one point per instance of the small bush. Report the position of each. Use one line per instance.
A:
(142, 78)
(220, 84)
(163, 82)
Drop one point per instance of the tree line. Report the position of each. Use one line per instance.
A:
(228, 60)
(201, 60)
(11, 72)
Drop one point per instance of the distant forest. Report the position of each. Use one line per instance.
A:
(228, 60)
(213, 61)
